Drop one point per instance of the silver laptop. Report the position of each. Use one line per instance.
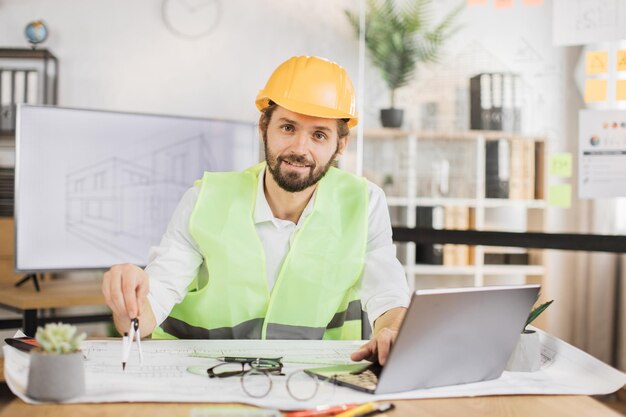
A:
(448, 337)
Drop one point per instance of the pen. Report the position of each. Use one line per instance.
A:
(359, 411)
(25, 344)
(383, 408)
(324, 410)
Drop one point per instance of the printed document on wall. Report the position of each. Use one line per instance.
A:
(602, 154)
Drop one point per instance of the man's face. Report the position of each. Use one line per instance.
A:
(300, 149)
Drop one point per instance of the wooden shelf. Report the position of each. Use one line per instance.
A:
(26, 53)
(511, 270)
(387, 133)
(468, 202)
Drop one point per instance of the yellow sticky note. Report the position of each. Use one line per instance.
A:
(503, 4)
(621, 60)
(620, 90)
(597, 62)
(595, 90)
(561, 165)
(560, 195)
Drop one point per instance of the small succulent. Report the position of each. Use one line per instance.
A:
(59, 338)
(535, 313)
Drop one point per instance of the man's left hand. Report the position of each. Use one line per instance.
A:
(385, 333)
(377, 349)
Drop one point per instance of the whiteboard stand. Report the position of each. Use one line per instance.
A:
(27, 278)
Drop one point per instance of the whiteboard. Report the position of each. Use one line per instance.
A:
(96, 188)
(580, 22)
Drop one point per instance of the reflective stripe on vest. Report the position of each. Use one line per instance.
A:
(252, 329)
(314, 296)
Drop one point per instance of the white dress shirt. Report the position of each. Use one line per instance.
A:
(175, 262)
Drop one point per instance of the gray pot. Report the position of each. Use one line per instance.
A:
(527, 354)
(55, 377)
(391, 117)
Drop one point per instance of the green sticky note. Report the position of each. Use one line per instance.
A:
(561, 165)
(560, 195)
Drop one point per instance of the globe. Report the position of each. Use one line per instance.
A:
(36, 32)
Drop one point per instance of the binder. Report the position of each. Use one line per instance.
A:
(517, 181)
(517, 103)
(529, 170)
(480, 102)
(16, 86)
(508, 110)
(456, 218)
(495, 102)
(32, 87)
(6, 101)
(432, 218)
(497, 168)
(496, 99)
(19, 87)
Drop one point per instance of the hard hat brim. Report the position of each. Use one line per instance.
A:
(308, 109)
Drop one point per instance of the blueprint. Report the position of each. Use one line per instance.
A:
(164, 376)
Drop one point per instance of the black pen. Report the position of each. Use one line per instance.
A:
(25, 344)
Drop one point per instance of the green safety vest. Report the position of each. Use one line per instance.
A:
(315, 295)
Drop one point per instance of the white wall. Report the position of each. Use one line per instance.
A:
(119, 55)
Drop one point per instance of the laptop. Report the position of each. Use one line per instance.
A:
(448, 337)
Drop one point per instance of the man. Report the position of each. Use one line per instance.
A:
(291, 248)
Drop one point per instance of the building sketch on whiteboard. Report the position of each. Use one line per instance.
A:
(525, 52)
(116, 203)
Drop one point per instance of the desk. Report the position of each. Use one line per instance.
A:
(54, 294)
(510, 406)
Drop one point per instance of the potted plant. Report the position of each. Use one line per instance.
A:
(398, 38)
(527, 354)
(56, 371)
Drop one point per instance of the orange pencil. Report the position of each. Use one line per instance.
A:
(325, 410)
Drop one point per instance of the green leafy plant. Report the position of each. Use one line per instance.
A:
(59, 338)
(398, 38)
(535, 313)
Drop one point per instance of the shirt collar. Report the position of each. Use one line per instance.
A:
(262, 210)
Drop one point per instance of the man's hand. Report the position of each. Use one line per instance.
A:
(125, 288)
(385, 333)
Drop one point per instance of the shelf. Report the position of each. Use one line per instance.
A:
(443, 135)
(26, 53)
(514, 269)
(468, 202)
(421, 269)
(470, 175)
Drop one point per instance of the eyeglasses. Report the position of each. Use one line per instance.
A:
(235, 367)
(255, 376)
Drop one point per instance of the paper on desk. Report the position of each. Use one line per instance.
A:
(164, 378)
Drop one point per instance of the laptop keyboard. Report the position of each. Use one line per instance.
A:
(366, 379)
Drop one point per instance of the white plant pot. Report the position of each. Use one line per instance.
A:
(527, 354)
(55, 377)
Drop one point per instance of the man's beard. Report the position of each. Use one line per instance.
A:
(292, 181)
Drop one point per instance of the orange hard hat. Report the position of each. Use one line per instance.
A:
(312, 86)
